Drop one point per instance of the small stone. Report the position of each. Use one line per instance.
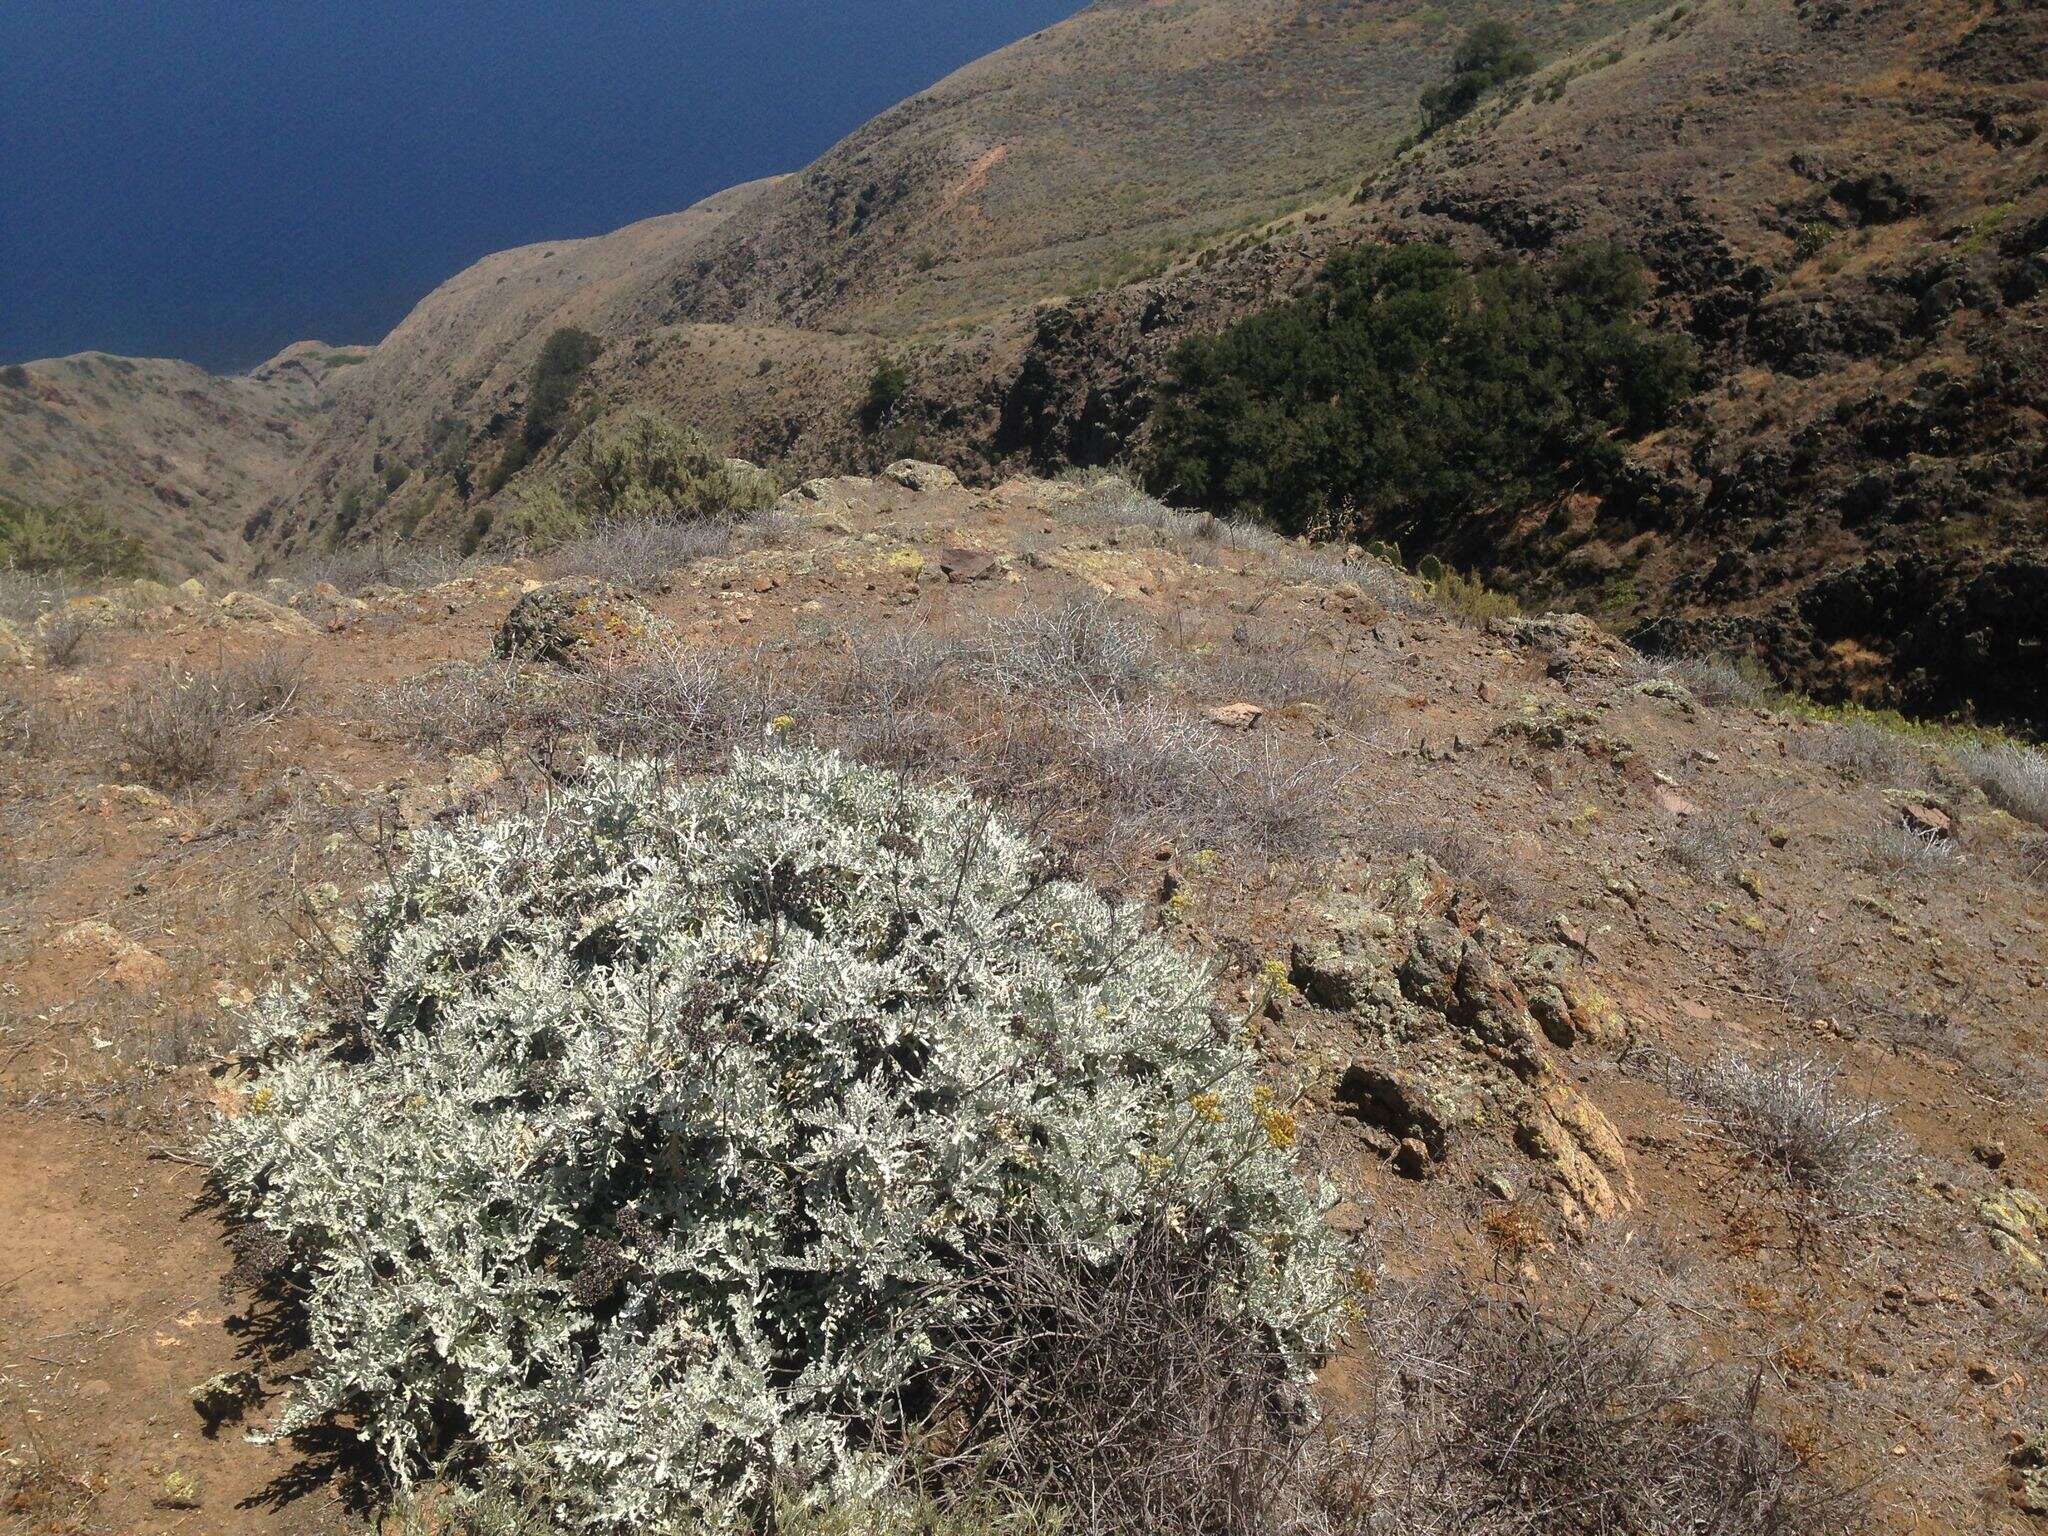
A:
(916, 475)
(225, 1398)
(1239, 716)
(1411, 1158)
(964, 565)
(1928, 820)
(180, 1490)
(1673, 803)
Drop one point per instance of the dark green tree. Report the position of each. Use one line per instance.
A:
(1408, 390)
(886, 385)
(564, 357)
(1490, 54)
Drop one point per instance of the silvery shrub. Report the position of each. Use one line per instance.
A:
(656, 1153)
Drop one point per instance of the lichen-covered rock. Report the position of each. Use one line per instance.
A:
(1566, 1006)
(1345, 965)
(576, 623)
(1566, 1132)
(2029, 1463)
(916, 475)
(260, 612)
(2018, 1222)
(1573, 642)
(1670, 691)
(224, 1398)
(1493, 1014)
(1404, 1104)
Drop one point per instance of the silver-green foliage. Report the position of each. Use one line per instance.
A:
(662, 1150)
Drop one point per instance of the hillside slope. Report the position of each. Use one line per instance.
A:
(177, 456)
(1077, 157)
(1846, 206)
(1278, 758)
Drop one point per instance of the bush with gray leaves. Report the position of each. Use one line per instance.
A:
(670, 1130)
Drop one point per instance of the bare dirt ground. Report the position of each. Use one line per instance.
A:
(1706, 883)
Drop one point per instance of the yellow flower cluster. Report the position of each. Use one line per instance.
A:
(1281, 1128)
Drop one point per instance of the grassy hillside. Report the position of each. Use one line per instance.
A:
(174, 456)
(1844, 209)
(1086, 155)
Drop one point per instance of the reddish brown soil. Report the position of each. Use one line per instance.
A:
(1902, 1352)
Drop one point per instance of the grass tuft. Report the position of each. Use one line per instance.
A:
(174, 726)
(1791, 1114)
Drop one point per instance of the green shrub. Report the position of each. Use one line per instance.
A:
(664, 1134)
(1812, 239)
(1471, 599)
(539, 518)
(886, 386)
(1409, 390)
(564, 357)
(643, 465)
(68, 541)
(515, 458)
(1490, 54)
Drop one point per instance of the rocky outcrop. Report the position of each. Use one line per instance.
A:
(111, 956)
(1454, 1019)
(916, 475)
(574, 624)
(2017, 1220)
